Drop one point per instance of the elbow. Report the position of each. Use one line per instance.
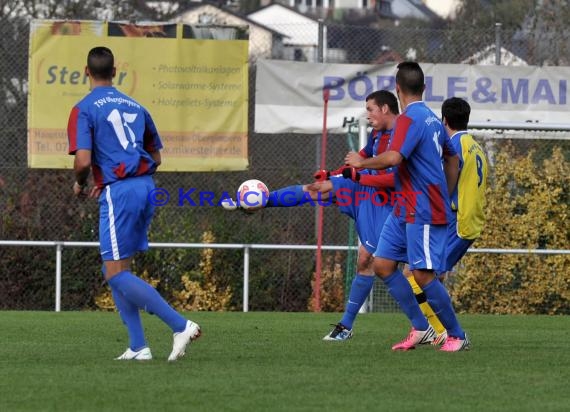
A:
(395, 159)
(156, 157)
(82, 165)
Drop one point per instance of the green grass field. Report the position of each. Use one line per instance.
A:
(278, 362)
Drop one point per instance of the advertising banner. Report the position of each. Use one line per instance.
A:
(289, 95)
(196, 89)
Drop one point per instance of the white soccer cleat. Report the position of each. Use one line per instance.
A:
(183, 339)
(229, 204)
(141, 355)
(339, 333)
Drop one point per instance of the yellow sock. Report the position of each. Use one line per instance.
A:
(425, 307)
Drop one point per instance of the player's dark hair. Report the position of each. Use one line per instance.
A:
(100, 62)
(456, 112)
(382, 97)
(410, 78)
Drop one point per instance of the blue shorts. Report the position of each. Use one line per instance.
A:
(392, 242)
(124, 217)
(456, 246)
(421, 246)
(366, 206)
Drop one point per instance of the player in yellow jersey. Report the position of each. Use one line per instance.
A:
(468, 198)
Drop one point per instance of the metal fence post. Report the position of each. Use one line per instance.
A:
(58, 250)
(498, 44)
(246, 279)
(321, 40)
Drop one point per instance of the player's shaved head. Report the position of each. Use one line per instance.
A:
(410, 78)
(101, 63)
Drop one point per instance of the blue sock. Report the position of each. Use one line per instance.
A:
(131, 317)
(440, 302)
(359, 291)
(289, 196)
(144, 296)
(401, 290)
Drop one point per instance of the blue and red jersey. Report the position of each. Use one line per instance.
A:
(421, 139)
(378, 142)
(119, 132)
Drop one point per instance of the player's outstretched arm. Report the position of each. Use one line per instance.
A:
(380, 181)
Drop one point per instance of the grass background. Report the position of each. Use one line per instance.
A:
(278, 362)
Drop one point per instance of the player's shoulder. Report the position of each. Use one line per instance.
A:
(87, 100)
(117, 94)
(420, 112)
(467, 139)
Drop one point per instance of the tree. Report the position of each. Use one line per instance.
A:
(483, 14)
(536, 30)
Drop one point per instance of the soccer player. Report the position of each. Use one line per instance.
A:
(115, 136)
(468, 198)
(363, 195)
(416, 231)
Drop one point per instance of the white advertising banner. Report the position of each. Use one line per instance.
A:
(289, 95)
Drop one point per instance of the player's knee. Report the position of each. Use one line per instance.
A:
(365, 269)
(423, 277)
(364, 262)
(114, 267)
(384, 267)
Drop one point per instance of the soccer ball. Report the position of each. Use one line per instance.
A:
(252, 194)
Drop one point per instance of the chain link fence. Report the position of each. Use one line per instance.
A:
(37, 204)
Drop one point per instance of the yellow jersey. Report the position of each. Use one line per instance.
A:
(468, 198)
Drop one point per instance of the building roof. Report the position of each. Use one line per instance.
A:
(486, 56)
(297, 27)
(401, 9)
(197, 5)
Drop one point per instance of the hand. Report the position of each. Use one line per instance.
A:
(353, 159)
(80, 190)
(351, 173)
(322, 175)
(95, 192)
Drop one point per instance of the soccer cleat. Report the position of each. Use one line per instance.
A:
(454, 344)
(141, 355)
(229, 204)
(183, 339)
(439, 339)
(416, 337)
(339, 333)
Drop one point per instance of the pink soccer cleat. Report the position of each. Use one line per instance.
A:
(453, 344)
(416, 337)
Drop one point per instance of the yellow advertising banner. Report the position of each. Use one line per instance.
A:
(195, 89)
